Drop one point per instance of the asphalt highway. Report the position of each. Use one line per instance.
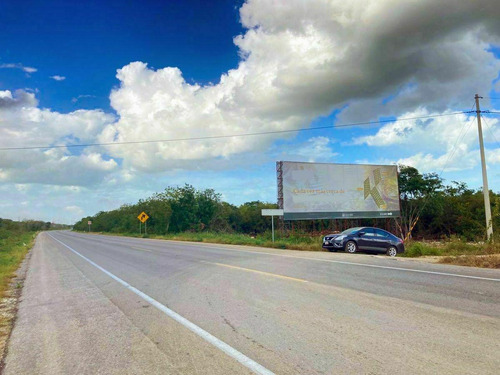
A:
(114, 305)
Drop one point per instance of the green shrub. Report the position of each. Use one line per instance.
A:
(418, 249)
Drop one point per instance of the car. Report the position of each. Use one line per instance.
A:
(365, 239)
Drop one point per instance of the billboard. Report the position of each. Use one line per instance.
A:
(336, 191)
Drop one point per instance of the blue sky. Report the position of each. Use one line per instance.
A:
(87, 41)
(102, 71)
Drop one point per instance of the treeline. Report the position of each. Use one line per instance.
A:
(429, 209)
(7, 227)
(180, 209)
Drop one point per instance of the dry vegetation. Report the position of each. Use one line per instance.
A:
(483, 261)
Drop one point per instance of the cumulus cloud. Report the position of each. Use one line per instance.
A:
(58, 78)
(27, 69)
(20, 98)
(315, 149)
(301, 60)
(448, 143)
(24, 124)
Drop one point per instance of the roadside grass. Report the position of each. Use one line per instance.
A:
(453, 247)
(458, 252)
(14, 245)
(13, 249)
(293, 242)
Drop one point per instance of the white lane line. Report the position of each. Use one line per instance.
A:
(229, 350)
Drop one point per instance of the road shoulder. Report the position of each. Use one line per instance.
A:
(67, 325)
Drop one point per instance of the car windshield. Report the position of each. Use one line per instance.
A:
(350, 231)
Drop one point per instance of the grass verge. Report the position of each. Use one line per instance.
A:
(14, 245)
(485, 255)
(295, 242)
(13, 249)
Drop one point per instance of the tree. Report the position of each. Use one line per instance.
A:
(252, 220)
(414, 189)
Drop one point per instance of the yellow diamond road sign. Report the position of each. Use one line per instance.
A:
(143, 217)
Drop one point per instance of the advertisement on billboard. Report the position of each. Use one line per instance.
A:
(336, 191)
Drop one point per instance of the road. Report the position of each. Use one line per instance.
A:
(114, 305)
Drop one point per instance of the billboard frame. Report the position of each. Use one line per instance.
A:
(333, 214)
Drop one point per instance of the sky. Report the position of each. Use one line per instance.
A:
(99, 72)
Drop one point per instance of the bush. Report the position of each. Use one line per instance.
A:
(418, 249)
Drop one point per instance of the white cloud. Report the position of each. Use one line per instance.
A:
(493, 156)
(448, 143)
(315, 149)
(79, 97)
(58, 78)
(300, 60)
(23, 124)
(27, 69)
(74, 209)
(21, 98)
(438, 132)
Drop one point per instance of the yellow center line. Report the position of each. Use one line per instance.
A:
(138, 248)
(256, 271)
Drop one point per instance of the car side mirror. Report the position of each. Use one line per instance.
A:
(361, 234)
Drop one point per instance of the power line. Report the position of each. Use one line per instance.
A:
(459, 139)
(228, 136)
(490, 129)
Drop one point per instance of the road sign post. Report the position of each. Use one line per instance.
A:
(143, 217)
(89, 223)
(272, 213)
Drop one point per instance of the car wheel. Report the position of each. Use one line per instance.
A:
(392, 251)
(351, 247)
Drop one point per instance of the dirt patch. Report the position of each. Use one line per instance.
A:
(8, 307)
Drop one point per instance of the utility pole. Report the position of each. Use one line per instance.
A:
(486, 191)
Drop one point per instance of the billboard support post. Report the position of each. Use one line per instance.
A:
(279, 175)
(272, 226)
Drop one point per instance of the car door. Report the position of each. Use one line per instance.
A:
(382, 240)
(367, 241)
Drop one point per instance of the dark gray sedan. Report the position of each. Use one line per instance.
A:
(364, 239)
